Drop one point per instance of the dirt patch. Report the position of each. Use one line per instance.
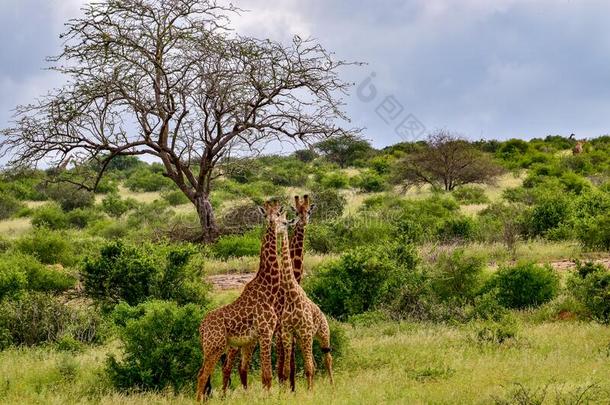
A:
(230, 281)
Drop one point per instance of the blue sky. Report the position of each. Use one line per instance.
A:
(483, 68)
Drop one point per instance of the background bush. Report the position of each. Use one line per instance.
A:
(590, 285)
(69, 196)
(248, 244)
(470, 195)
(9, 205)
(49, 247)
(160, 346)
(525, 285)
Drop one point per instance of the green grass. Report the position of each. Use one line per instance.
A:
(387, 363)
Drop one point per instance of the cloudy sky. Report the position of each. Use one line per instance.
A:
(486, 69)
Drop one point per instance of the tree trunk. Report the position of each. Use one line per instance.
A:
(205, 211)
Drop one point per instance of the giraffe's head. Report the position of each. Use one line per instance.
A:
(303, 208)
(274, 215)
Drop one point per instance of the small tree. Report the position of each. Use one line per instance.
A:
(168, 80)
(447, 161)
(345, 150)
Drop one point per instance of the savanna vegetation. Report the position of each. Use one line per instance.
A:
(452, 271)
(435, 295)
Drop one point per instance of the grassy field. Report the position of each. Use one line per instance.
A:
(387, 363)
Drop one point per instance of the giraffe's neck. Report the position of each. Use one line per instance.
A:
(288, 279)
(268, 269)
(296, 250)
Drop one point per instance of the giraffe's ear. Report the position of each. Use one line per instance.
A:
(293, 209)
(261, 210)
(312, 207)
(293, 221)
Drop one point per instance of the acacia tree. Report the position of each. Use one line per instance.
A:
(167, 78)
(446, 161)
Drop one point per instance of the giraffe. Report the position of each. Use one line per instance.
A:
(322, 331)
(303, 211)
(579, 148)
(249, 319)
(299, 315)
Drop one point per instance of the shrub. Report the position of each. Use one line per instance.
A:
(229, 246)
(594, 233)
(9, 205)
(69, 196)
(175, 197)
(38, 318)
(497, 332)
(369, 182)
(80, 218)
(548, 214)
(457, 276)
(357, 282)
(121, 273)
(334, 180)
(241, 218)
(525, 285)
(49, 247)
(50, 216)
(13, 280)
(590, 285)
(160, 346)
(38, 276)
(115, 206)
(305, 155)
(461, 229)
(329, 204)
(147, 180)
(470, 195)
(135, 274)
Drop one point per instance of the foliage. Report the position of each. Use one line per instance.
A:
(38, 318)
(175, 197)
(329, 204)
(147, 180)
(445, 163)
(160, 346)
(19, 272)
(594, 233)
(470, 195)
(115, 206)
(229, 246)
(369, 182)
(134, 274)
(241, 218)
(590, 285)
(525, 285)
(334, 180)
(354, 284)
(344, 150)
(50, 216)
(456, 276)
(9, 205)
(460, 228)
(49, 247)
(69, 196)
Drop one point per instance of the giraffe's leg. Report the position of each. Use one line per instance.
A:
(287, 346)
(281, 357)
(228, 367)
(324, 338)
(293, 368)
(306, 346)
(246, 355)
(203, 379)
(265, 336)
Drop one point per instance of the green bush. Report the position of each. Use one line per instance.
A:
(334, 180)
(38, 277)
(241, 218)
(115, 206)
(80, 218)
(13, 280)
(38, 318)
(461, 228)
(497, 332)
(548, 214)
(369, 182)
(229, 246)
(134, 274)
(590, 285)
(346, 233)
(525, 285)
(50, 216)
(9, 205)
(147, 180)
(594, 233)
(456, 276)
(330, 204)
(161, 346)
(356, 283)
(470, 195)
(175, 197)
(49, 247)
(69, 196)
